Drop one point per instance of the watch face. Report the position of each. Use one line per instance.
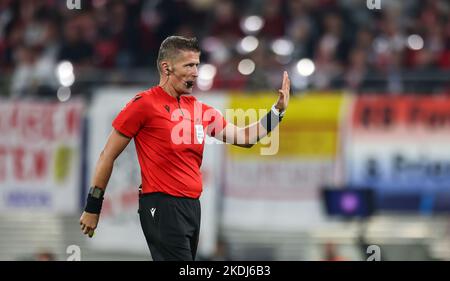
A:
(96, 192)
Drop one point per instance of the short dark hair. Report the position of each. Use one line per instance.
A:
(172, 44)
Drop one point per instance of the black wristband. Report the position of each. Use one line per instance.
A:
(93, 205)
(270, 121)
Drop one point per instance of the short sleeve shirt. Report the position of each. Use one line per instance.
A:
(169, 135)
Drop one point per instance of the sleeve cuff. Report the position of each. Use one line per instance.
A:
(276, 112)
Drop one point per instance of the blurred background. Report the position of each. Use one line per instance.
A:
(361, 169)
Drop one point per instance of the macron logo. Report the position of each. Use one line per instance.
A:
(153, 210)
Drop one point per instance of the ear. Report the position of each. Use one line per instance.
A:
(165, 68)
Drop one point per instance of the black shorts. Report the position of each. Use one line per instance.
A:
(171, 226)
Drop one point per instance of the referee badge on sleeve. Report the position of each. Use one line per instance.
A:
(199, 133)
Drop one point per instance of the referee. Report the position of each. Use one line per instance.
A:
(169, 206)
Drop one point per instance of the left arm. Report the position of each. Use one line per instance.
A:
(251, 134)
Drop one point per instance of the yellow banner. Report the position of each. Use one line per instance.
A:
(308, 130)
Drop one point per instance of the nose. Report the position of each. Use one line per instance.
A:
(195, 71)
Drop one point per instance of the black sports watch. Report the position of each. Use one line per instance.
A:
(96, 192)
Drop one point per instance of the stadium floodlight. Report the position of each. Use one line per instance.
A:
(252, 24)
(207, 71)
(305, 67)
(415, 42)
(248, 44)
(246, 66)
(206, 74)
(64, 73)
(63, 94)
(283, 47)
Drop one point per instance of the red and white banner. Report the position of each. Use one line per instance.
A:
(40, 156)
(399, 143)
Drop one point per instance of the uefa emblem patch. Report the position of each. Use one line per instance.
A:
(199, 133)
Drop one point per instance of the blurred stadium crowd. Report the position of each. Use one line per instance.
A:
(326, 44)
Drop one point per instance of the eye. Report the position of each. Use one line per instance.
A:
(192, 64)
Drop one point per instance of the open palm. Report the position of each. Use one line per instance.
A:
(283, 93)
